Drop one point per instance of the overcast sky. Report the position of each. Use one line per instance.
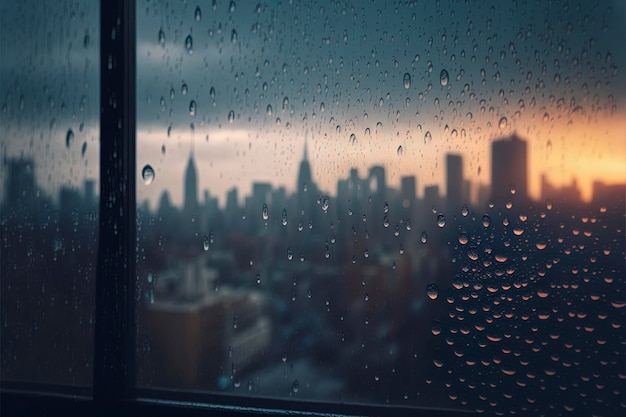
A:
(331, 73)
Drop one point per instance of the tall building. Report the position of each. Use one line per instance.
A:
(509, 169)
(304, 188)
(190, 198)
(191, 222)
(408, 197)
(431, 196)
(455, 195)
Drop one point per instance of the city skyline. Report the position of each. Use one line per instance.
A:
(509, 153)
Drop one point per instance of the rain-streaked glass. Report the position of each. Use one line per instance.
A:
(402, 203)
(49, 124)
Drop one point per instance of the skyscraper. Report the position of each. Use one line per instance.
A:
(509, 169)
(306, 190)
(454, 182)
(190, 198)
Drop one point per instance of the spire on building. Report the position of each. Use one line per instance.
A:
(190, 202)
(304, 173)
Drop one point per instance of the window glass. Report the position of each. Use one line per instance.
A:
(49, 123)
(407, 203)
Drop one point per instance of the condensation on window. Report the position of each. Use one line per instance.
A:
(400, 203)
(49, 124)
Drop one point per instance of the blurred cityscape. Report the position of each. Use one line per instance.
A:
(368, 295)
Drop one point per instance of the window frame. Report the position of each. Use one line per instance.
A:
(114, 391)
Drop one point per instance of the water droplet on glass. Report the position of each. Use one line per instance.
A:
(83, 149)
(147, 174)
(198, 14)
(69, 138)
(325, 204)
(231, 116)
(432, 291)
(486, 220)
(233, 36)
(269, 109)
(503, 123)
(289, 253)
(428, 137)
(444, 77)
(189, 44)
(399, 151)
(353, 138)
(205, 243)
(161, 37)
(423, 237)
(295, 387)
(407, 80)
(283, 217)
(192, 108)
(183, 89)
(265, 212)
(464, 210)
(441, 220)
(232, 6)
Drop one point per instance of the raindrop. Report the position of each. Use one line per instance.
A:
(486, 220)
(189, 44)
(198, 14)
(69, 138)
(428, 137)
(441, 220)
(353, 139)
(423, 237)
(161, 37)
(407, 81)
(183, 89)
(503, 123)
(269, 109)
(432, 291)
(232, 6)
(325, 204)
(265, 212)
(289, 253)
(147, 174)
(233, 36)
(464, 210)
(83, 149)
(444, 77)
(284, 217)
(295, 387)
(399, 151)
(231, 116)
(205, 243)
(192, 108)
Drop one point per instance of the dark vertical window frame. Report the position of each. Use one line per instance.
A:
(114, 349)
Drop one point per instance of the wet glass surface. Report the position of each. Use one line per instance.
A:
(403, 203)
(49, 131)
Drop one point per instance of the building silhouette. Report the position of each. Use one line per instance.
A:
(509, 169)
(190, 198)
(455, 195)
